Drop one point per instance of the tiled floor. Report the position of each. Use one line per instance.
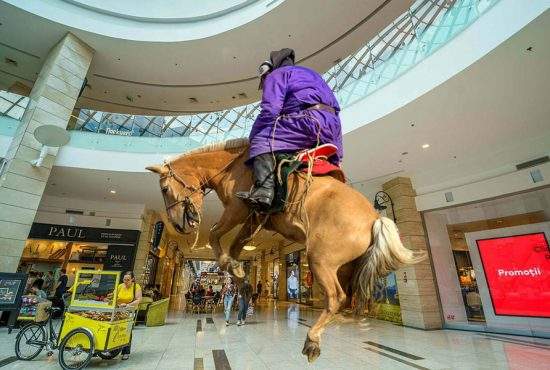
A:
(274, 339)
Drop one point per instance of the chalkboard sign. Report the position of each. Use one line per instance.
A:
(11, 289)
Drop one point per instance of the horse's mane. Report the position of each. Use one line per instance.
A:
(228, 145)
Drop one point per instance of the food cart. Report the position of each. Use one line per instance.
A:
(93, 325)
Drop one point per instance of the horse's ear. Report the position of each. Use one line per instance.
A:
(156, 168)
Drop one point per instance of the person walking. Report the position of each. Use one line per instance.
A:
(245, 293)
(259, 287)
(228, 293)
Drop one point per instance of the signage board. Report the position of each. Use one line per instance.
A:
(85, 234)
(119, 258)
(11, 290)
(517, 270)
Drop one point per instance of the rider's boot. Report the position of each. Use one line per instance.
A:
(262, 193)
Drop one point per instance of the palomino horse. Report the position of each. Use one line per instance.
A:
(348, 244)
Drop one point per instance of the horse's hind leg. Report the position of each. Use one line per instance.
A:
(231, 217)
(334, 297)
(243, 236)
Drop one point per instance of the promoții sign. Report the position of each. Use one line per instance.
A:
(517, 269)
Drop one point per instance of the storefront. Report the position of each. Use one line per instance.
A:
(52, 247)
(492, 263)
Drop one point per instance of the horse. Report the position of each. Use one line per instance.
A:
(348, 244)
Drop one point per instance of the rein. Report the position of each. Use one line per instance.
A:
(187, 201)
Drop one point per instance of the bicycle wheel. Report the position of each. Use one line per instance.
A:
(109, 355)
(30, 341)
(76, 349)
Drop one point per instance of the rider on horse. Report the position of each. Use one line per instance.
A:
(298, 111)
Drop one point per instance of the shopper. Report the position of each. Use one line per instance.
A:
(228, 293)
(128, 294)
(245, 294)
(39, 280)
(60, 288)
(48, 282)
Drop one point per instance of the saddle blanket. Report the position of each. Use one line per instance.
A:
(322, 167)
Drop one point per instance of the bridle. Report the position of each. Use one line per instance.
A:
(187, 199)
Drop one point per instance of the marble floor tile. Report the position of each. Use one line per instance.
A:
(274, 340)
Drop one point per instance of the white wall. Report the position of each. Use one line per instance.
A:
(122, 215)
(509, 183)
(493, 28)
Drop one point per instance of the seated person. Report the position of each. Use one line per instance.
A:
(36, 289)
(209, 291)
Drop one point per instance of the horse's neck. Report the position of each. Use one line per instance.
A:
(213, 168)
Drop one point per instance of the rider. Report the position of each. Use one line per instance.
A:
(298, 111)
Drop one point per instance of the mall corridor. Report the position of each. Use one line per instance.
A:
(273, 339)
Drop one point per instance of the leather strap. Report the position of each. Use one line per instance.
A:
(321, 106)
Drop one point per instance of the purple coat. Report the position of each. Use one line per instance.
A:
(287, 92)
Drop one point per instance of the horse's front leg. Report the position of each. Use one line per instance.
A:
(231, 217)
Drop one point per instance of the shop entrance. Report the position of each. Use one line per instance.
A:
(51, 248)
(463, 262)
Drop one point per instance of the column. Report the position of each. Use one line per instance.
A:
(143, 246)
(263, 273)
(415, 284)
(52, 100)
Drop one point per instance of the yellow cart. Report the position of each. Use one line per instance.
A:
(93, 325)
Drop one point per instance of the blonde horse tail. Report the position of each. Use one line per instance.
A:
(384, 255)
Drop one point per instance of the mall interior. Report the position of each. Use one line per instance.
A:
(445, 115)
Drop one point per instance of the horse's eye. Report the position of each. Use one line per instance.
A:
(164, 190)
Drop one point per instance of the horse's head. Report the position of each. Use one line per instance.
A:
(183, 195)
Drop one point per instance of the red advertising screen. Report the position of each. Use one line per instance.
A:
(517, 269)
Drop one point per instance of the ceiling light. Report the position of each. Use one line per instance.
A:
(425, 146)
(249, 247)
(112, 191)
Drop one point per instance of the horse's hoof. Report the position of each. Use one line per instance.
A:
(311, 350)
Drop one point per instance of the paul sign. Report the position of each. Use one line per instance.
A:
(62, 232)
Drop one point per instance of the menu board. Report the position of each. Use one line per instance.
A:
(517, 269)
(11, 288)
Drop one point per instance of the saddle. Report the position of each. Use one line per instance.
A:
(286, 164)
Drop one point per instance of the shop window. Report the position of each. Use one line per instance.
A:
(468, 286)
(306, 283)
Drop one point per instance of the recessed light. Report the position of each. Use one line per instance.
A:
(112, 191)
(425, 146)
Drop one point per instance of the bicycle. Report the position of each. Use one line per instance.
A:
(35, 337)
(32, 339)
